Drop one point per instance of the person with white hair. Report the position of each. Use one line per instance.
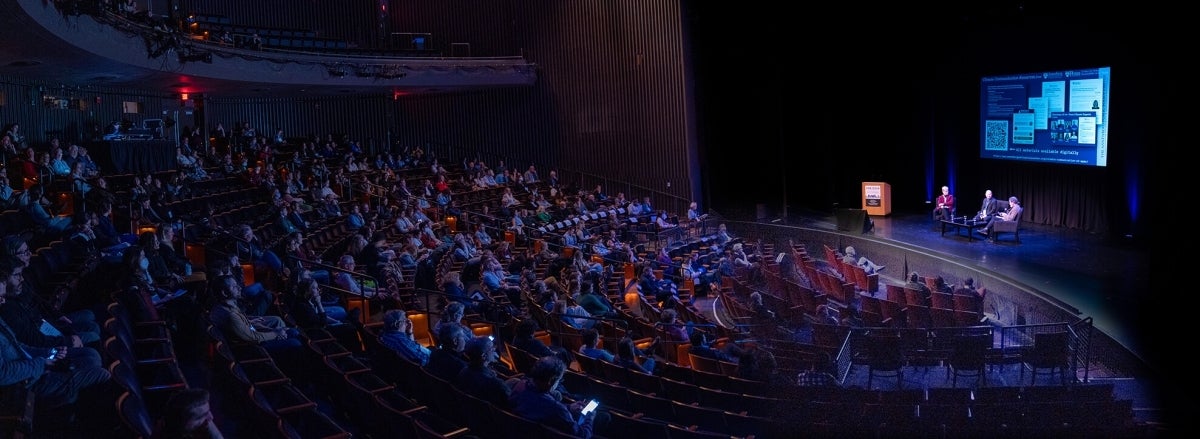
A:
(851, 257)
(740, 258)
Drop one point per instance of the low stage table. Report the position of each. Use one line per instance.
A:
(961, 223)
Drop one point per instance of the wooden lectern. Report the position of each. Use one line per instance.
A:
(877, 198)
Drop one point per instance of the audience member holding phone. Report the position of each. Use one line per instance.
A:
(535, 398)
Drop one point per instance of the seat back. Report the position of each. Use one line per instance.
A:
(964, 302)
(421, 328)
(681, 391)
(517, 426)
(970, 351)
(700, 416)
(523, 360)
(704, 364)
(629, 425)
(134, 416)
(884, 352)
(1050, 349)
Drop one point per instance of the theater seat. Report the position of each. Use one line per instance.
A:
(1013, 227)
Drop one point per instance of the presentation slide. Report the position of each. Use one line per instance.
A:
(1052, 117)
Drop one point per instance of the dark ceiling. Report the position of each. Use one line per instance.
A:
(40, 43)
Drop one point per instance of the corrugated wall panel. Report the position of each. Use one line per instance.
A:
(489, 27)
(610, 104)
(364, 119)
(617, 73)
(509, 125)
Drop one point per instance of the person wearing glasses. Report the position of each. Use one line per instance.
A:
(398, 335)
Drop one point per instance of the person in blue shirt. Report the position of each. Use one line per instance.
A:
(693, 212)
(702, 346)
(6, 193)
(398, 335)
(483, 239)
(51, 223)
(569, 239)
(355, 220)
(59, 166)
(443, 198)
(590, 347)
(495, 280)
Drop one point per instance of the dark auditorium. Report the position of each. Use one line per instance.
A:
(546, 219)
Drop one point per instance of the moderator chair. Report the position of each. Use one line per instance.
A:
(884, 357)
(1051, 350)
(968, 357)
(1013, 227)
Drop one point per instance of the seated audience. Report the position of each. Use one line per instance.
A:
(251, 246)
(349, 280)
(524, 339)
(629, 356)
(29, 325)
(479, 378)
(268, 331)
(256, 299)
(398, 335)
(447, 360)
(36, 209)
(702, 346)
(188, 414)
(590, 346)
(452, 315)
(309, 312)
(54, 380)
(851, 257)
(535, 397)
(668, 320)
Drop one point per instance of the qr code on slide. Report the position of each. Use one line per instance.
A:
(996, 135)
